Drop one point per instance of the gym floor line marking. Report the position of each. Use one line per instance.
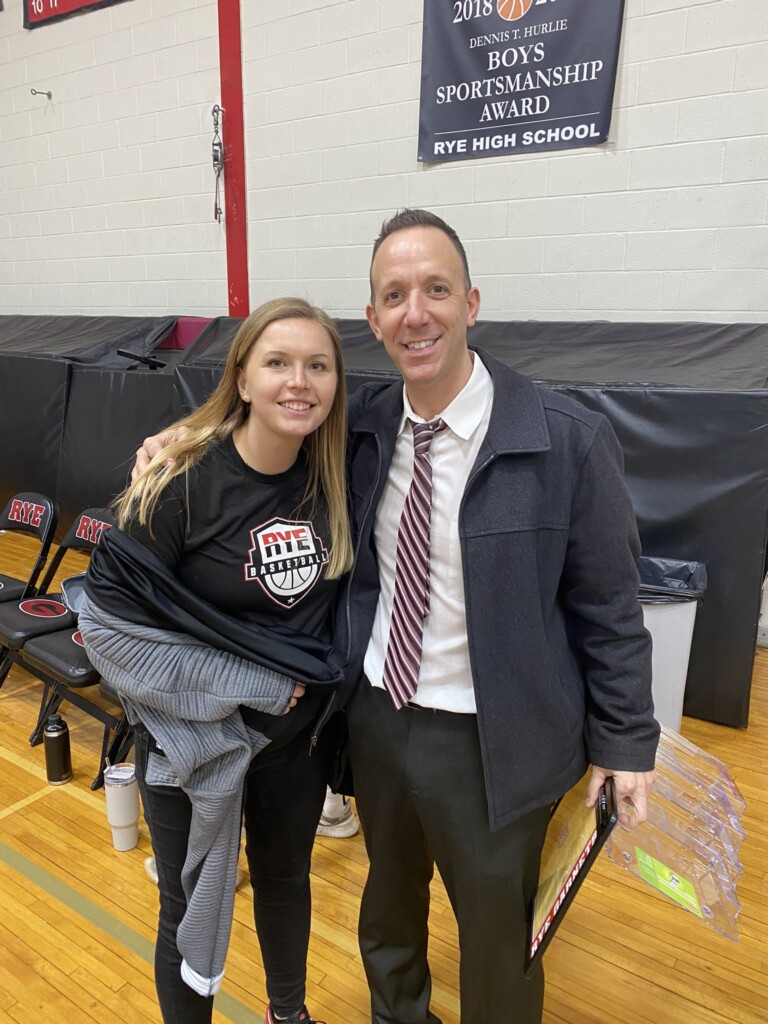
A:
(226, 1005)
(32, 798)
(86, 796)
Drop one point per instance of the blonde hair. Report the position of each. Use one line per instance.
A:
(225, 410)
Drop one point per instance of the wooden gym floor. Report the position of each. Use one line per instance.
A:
(77, 920)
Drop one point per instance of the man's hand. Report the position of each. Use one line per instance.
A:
(631, 788)
(152, 446)
(298, 691)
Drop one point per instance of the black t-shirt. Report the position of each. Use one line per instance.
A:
(247, 543)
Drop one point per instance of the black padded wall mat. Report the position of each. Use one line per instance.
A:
(689, 403)
(33, 403)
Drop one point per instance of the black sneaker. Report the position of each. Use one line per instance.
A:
(301, 1017)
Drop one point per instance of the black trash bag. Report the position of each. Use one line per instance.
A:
(670, 579)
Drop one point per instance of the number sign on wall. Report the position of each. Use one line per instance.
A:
(41, 12)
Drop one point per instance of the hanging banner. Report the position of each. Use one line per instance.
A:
(40, 12)
(516, 76)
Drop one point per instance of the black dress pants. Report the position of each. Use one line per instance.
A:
(420, 794)
(283, 800)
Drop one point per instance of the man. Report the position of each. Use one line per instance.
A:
(492, 675)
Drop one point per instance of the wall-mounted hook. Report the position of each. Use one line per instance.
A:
(217, 152)
(40, 92)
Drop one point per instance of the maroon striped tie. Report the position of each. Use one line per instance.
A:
(410, 606)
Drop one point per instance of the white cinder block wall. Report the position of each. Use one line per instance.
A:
(106, 193)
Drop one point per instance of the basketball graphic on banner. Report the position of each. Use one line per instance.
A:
(511, 10)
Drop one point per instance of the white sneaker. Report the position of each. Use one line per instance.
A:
(341, 826)
(150, 867)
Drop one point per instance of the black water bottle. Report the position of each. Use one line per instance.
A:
(58, 758)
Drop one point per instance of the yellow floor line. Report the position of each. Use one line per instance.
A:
(86, 796)
(230, 1008)
(23, 803)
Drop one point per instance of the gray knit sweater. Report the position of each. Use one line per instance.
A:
(188, 695)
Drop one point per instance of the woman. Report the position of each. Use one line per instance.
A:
(211, 612)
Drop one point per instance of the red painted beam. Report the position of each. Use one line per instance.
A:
(233, 138)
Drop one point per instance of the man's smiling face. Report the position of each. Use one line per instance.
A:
(421, 308)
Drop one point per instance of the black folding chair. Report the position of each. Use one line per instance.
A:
(46, 612)
(35, 514)
(60, 661)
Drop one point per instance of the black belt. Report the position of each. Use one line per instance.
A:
(435, 711)
(411, 704)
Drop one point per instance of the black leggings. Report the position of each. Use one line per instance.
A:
(282, 803)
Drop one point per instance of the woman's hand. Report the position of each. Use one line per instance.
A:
(298, 691)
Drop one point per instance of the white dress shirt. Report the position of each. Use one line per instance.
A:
(445, 679)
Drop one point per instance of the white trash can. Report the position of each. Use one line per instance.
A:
(669, 594)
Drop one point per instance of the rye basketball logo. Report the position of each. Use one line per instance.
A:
(286, 559)
(511, 10)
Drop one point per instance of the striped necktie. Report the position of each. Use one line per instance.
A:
(410, 605)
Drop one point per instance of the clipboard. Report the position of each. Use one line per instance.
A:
(575, 836)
